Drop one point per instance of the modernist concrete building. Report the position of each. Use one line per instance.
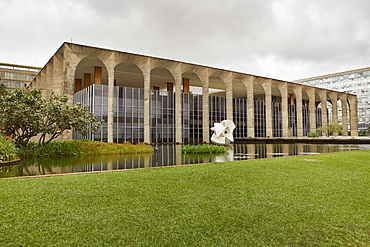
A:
(353, 81)
(17, 76)
(155, 100)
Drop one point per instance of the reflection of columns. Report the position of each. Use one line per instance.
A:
(267, 87)
(353, 114)
(284, 109)
(110, 102)
(229, 97)
(98, 71)
(300, 148)
(147, 160)
(324, 109)
(250, 106)
(205, 107)
(269, 150)
(251, 151)
(178, 157)
(178, 105)
(343, 100)
(313, 148)
(298, 95)
(146, 68)
(285, 149)
(311, 102)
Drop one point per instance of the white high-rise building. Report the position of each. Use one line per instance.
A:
(354, 82)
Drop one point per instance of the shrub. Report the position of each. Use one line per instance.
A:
(314, 134)
(51, 149)
(203, 149)
(7, 149)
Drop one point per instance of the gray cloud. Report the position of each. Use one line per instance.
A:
(283, 39)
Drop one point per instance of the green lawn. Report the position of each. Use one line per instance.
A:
(322, 201)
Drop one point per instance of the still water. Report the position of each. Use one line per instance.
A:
(167, 155)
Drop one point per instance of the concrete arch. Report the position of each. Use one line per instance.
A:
(191, 83)
(90, 70)
(128, 74)
(258, 89)
(160, 77)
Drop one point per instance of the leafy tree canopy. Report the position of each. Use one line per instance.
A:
(25, 114)
(331, 129)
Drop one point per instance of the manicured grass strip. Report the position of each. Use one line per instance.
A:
(203, 149)
(320, 200)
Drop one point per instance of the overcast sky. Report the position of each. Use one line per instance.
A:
(281, 39)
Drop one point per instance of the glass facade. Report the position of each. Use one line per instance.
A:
(96, 98)
(277, 123)
(192, 118)
(162, 116)
(128, 115)
(305, 118)
(355, 82)
(259, 118)
(17, 76)
(240, 117)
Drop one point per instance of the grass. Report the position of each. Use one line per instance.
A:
(81, 147)
(203, 149)
(318, 200)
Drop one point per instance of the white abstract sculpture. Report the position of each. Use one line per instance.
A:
(223, 132)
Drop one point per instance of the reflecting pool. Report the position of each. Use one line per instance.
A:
(167, 155)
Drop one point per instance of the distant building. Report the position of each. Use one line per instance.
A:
(17, 76)
(354, 82)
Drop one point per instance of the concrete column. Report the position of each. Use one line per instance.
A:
(324, 113)
(267, 87)
(343, 100)
(110, 103)
(334, 104)
(178, 105)
(312, 107)
(284, 109)
(353, 117)
(298, 95)
(205, 107)
(250, 106)
(146, 68)
(98, 71)
(229, 97)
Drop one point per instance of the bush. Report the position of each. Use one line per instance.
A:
(81, 147)
(203, 149)
(314, 134)
(7, 149)
(51, 149)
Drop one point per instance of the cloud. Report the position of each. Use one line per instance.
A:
(283, 39)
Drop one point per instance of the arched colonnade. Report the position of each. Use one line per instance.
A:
(287, 109)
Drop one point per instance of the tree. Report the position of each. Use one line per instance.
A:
(25, 114)
(331, 129)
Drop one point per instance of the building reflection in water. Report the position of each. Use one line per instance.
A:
(167, 155)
